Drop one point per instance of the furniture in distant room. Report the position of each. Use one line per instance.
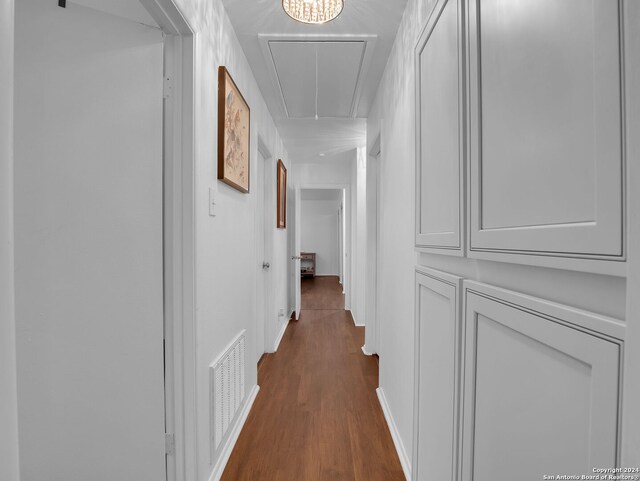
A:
(308, 264)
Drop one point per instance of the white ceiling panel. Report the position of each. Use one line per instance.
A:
(295, 66)
(339, 65)
(342, 63)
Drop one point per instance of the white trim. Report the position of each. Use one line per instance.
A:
(355, 323)
(610, 267)
(10, 466)
(366, 351)
(179, 238)
(221, 463)
(395, 434)
(276, 344)
(372, 281)
(631, 387)
(595, 324)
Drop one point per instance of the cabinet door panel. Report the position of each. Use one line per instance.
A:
(439, 151)
(437, 376)
(546, 131)
(541, 397)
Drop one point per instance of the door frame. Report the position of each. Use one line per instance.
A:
(178, 239)
(266, 185)
(9, 470)
(372, 292)
(348, 236)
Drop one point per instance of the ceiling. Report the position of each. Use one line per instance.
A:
(351, 53)
(121, 8)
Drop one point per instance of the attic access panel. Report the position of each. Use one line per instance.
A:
(340, 71)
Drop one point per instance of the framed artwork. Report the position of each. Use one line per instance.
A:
(233, 133)
(281, 222)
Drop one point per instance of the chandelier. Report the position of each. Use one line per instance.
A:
(313, 11)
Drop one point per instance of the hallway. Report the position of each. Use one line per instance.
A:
(316, 416)
(444, 193)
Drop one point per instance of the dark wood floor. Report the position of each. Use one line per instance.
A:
(317, 417)
(324, 292)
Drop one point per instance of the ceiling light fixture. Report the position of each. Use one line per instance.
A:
(313, 11)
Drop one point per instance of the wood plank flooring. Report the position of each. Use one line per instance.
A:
(324, 292)
(317, 416)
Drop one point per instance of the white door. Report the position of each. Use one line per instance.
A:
(294, 251)
(88, 211)
(264, 230)
(340, 243)
(296, 234)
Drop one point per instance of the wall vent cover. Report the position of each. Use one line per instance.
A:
(227, 391)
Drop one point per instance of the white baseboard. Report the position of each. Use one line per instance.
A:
(395, 435)
(281, 334)
(355, 322)
(366, 352)
(221, 463)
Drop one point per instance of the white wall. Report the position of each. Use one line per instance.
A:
(88, 255)
(394, 109)
(337, 170)
(393, 116)
(8, 399)
(225, 244)
(319, 234)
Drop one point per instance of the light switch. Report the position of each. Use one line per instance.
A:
(212, 202)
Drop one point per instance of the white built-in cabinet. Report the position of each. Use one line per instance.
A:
(520, 158)
(541, 388)
(520, 132)
(546, 131)
(439, 64)
(436, 384)
(508, 384)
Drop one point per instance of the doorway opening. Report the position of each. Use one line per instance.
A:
(322, 248)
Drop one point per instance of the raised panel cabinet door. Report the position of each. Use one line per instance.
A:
(546, 129)
(439, 130)
(541, 392)
(437, 366)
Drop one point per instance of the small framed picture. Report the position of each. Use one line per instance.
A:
(233, 133)
(282, 196)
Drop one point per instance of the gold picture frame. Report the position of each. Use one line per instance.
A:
(281, 222)
(234, 133)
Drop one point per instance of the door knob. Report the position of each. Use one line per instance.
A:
(266, 265)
